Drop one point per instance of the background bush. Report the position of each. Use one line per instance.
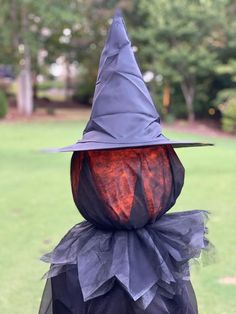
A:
(229, 116)
(226, 103)
(84, 93)
(3, 104)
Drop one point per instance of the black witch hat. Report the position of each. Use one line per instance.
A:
(123, 113)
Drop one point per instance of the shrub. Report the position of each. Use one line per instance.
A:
(46, 85)
(229, 116)
(50, 110)
(224, 95)
(3, 104)
(84, 93)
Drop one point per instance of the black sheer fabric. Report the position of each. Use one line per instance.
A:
(126, 189)
(67, 299)
(130, 256)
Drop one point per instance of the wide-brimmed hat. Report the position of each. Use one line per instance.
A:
(123, 113)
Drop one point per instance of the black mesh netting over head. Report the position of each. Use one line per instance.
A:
(126, 188)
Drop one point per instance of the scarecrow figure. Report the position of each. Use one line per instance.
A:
(128, 256)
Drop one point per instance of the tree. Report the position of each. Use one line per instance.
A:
(26, 26)
(179, 41)
(88, 42)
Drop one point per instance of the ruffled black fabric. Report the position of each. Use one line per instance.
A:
(126, 271)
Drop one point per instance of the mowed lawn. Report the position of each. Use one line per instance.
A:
(36, 210)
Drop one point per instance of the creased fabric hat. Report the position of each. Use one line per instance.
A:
(123, 113)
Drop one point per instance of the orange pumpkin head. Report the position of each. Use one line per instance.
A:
(129, 187)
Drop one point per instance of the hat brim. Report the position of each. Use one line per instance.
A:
(93, 145)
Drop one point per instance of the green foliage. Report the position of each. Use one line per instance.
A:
(84, 92)
(3, 105)
(184, 41)
(169, 118)
(190, 43)
(226, 102)
(229, 68)
(46, 85)
(229, 116)
(224, 95)
(33, 26)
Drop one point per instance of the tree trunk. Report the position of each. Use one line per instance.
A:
(34, 86)
(25, 94)
(28, 108)
(67, 80)
(25, 88)
(188, 89)
(19, 95)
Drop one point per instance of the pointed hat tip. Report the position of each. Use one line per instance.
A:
(118, 13)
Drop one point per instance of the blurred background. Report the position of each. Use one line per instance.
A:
(49, 54)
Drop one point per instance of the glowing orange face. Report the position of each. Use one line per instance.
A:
(117, 172)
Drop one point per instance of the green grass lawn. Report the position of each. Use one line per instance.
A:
(37, 209)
